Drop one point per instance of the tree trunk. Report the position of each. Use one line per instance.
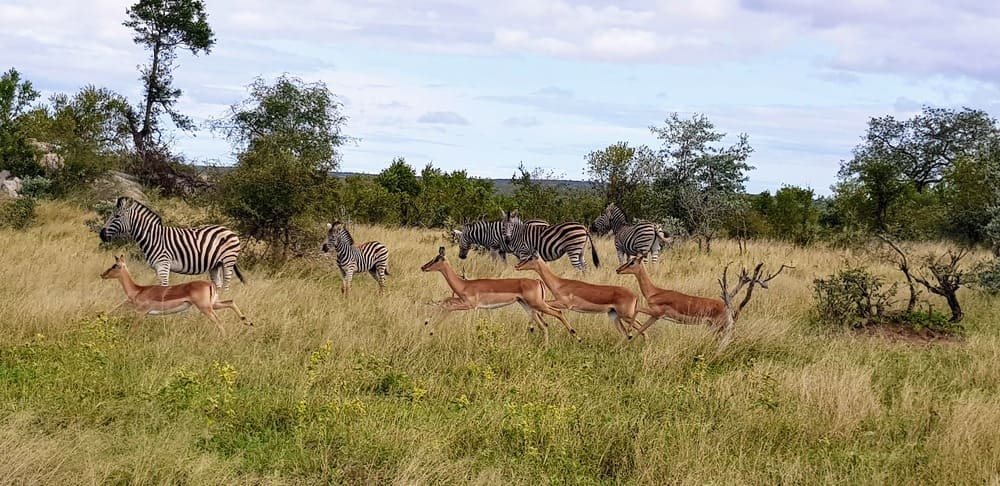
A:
(956, 309)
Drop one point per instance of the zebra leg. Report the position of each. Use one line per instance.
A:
(163, 273)
(577, 260)
(345, 282)
(216, 273)
(621, 257)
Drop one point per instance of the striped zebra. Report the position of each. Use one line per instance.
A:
(370, 256)
(551, 242)
(211, 249)
(489, 235)
(630, 239)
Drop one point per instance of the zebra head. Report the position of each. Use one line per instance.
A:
(118, 222)
(509, 225)
(611, 218)
(464, 241)
(337, 236)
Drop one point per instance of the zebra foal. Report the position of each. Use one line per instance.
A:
(370, 256)
(630, 239)
(211, 249)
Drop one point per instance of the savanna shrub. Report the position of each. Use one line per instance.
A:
(17, 213)
(853, 297)
(36, 186)
(987, 277)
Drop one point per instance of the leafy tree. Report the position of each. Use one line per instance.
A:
(449, 199)
(623, 175)
(794, 216)
(281, 184)
(305, 118)
(367, 201)
(87, 130)
(555, 203)
(701, 182)
(163, 26)
(16, 96)
(920, 150)
(401, 181)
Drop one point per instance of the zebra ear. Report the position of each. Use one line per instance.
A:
(329, 226)
(121, 202)
(440, 251)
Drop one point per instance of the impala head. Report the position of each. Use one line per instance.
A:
(532, 262)
(117, 269)
(117, 222)
(336, 234)
(436, 263)
(633, 266)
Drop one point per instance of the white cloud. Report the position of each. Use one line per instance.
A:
(442, 118)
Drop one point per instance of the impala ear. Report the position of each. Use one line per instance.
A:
(440, 251)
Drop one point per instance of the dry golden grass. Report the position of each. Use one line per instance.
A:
(325, 389)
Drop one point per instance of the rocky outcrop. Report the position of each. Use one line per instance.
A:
(9, 186)
(46, 156)
(117, 184)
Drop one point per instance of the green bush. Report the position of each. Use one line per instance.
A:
(36, 187)
(17, 213)
(931, 319)
(852, 298)
(987, 277)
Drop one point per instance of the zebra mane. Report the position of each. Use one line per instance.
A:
(343, 230)
(613, 210)
(143, 209)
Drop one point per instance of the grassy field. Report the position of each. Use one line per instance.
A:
(327, 390)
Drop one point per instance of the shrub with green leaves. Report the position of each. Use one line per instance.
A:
(987, 277)
(17, 213)
(854, 297)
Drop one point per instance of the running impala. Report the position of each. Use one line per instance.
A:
(160, 299)
(494, 293)
(619, 303)
(665, 303)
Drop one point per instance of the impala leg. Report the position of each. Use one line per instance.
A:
(642, 330)
(229, 304)
(617, 321)
(140, 314)
(446, 305)
(126, 301)
(562, 318)
(212, 316)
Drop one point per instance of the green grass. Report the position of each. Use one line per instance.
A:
(325, 389)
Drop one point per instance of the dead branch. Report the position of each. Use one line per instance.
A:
(904, 266)
(745, 279)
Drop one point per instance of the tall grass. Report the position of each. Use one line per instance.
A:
(325, 389)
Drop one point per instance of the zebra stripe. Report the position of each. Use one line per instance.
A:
(630, 239)
(209, 249)
(489, 235)
(550, 242)
(370, 256)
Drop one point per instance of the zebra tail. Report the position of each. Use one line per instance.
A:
(593, 251)
(236, 270)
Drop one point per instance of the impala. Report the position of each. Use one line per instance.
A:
(160, 299)
(680, 307)
(494, 293)
(619, 303)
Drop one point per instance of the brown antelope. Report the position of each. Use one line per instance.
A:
(680, 307)
(494, 293)
(619, 303)
(160, 299)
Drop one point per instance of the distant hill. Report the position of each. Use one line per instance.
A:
(503, 186)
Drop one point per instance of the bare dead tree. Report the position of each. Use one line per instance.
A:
(949, 279)
(904, 266)
(744, 279)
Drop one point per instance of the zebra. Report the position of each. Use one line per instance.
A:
(370, 256)
(489, 235)
(551, 242)
(630, 239)
(211, 249)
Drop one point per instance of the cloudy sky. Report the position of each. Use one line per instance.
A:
(484, 86)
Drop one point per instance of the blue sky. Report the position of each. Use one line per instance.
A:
(484, 86)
